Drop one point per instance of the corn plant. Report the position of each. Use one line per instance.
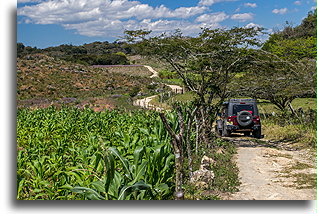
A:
(67, 153)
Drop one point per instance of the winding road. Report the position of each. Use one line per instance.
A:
(145, 102)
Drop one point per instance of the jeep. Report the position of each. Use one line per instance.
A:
(239, 115)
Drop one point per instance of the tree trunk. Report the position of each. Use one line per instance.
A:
(177, 144)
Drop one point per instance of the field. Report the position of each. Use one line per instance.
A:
(73, 154)
(70, 153)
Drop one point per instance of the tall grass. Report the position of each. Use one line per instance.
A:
(287, 127)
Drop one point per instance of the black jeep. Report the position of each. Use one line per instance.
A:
(239, 115)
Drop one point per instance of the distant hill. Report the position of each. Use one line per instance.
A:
(101, 53)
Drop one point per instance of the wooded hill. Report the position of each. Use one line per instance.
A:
(101, 53)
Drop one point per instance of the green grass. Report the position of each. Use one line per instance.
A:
(301, 180)
(304, 103)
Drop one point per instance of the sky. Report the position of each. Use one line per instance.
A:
(45, 23)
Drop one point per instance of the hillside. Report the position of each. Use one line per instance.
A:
(44, 81)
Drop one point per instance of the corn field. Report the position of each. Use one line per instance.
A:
(72, 154)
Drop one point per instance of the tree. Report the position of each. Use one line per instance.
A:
(294, 42)
(284, 67)
(205, 64)
(278, 80)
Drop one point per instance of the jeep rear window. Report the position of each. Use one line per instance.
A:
(238, 108)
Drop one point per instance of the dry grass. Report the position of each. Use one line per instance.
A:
(42, 80)
(303, 136)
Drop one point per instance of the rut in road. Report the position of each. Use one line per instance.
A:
(268, 173)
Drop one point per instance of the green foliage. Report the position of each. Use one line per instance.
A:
(205, 63)
(81, 154)
(299, 48)
(294, 42)
(25, 50)
(135, 90)
(166, 74)
(105, 59)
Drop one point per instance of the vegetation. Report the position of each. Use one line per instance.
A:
(82, 154)
(73, 147)
(102, 53)
(205, 64)
(68, 153)
(42, 81)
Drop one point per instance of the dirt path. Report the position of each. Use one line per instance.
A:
(145, 102)
(155, 73)
(175, 88)
(274, 174)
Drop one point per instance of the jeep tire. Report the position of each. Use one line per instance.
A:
(257, 133)
(244, 118)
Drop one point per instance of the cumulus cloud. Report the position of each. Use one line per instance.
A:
(280, 11)
(65, 11)
(211, 2)
(112, 17)
(253, 25)
(297, 2)
(212, 17)
(253, 5)
(242, 17)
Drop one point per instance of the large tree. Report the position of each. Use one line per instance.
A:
(205, 64)
(284, 68)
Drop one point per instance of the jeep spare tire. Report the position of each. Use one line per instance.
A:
(244, 118)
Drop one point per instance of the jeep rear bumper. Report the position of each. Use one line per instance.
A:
(243, 129)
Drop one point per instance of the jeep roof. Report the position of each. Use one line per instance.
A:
(236, 105)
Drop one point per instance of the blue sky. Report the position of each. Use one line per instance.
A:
(44, 23)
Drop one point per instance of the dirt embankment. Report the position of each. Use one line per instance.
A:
(268, 172)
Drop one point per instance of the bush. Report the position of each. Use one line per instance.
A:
(166, 74)
(105, 59)
(135, 90)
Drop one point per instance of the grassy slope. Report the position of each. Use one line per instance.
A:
(42, 80)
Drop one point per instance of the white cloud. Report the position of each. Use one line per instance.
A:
(313, 8)
(253, 5)
(252, 25)
(280, 11)
(64, 11)
(29, 1)
(297, 2)
(242, 17)
(211, 2)
(212, 17)
(111, 17)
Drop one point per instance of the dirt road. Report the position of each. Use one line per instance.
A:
(268, 173)
(155, 73)
(145, 102)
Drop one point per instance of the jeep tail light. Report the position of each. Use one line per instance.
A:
(233, 119)
(256, 119)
